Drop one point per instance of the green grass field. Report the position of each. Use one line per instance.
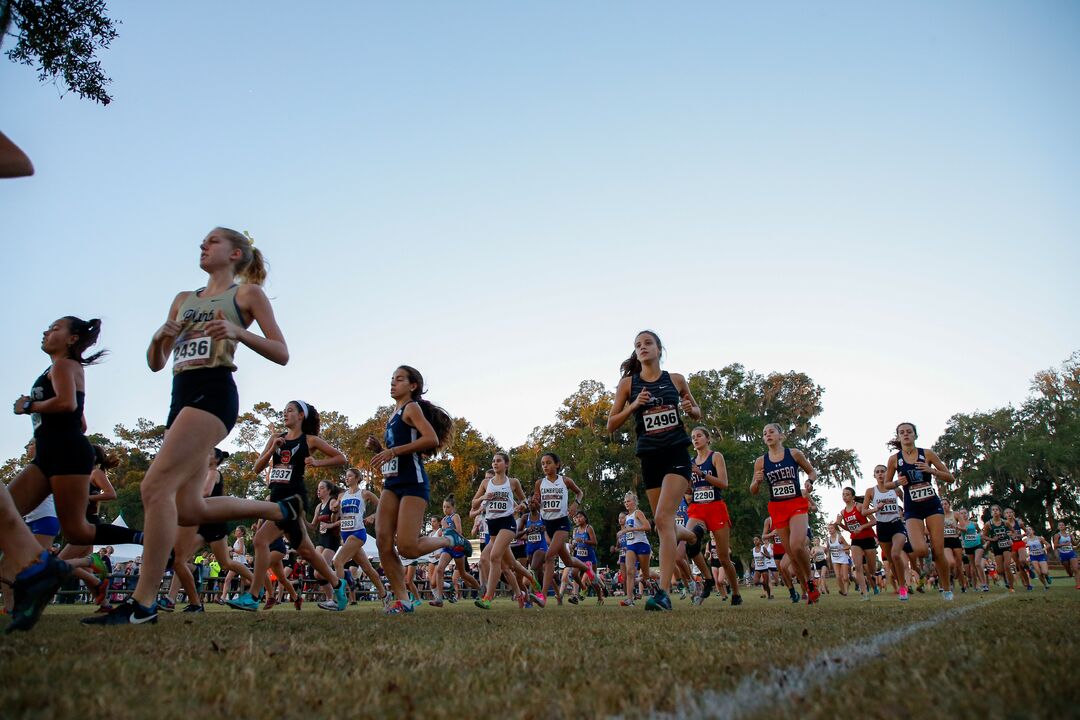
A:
(986, 656)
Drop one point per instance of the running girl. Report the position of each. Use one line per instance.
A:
(838, 554)
(531, 528)
(353, 504)
(916, 469)
(788, 506)
(996, 530)
(1063, 542)
(450, 521)
(972, 542)
(1036, 548)
(585, 552)
(201, 332)
(863, 543)
(954, 548)
(657, 400)
(638, 549)
(503, 495)
(708, 509)
(554, 492)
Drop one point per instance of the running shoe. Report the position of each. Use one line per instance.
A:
(415, 602)
(483, 604)
(572, 600)
(387, 600)
(947, 596)
(522, 599)
(903, 593)
(292, 524)
(459, 543)
(812, 594)
(736, 600)
(298, 602)
(697, 600)
(451, 599)
(1029, 588)
(1049, 580)
(34, 591)
(864, 597)
(682, 593)
(340, 596)
(270, 602)
(193, 608)
(101, 593)
(398, 608)
(706, 589)
(166, 604)
(244, 602)
(127, 613)
(541, 601)
(330, 605)
(626, 603)
(437, 602)
(659, 602)
(793, 595)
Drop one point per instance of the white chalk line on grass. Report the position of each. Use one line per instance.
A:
(762, 689)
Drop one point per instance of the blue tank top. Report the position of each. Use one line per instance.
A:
(582, 550)
(659, 424)
(703, 491)
(682, 515)
(403, 469)
(782, 477)
(535, 539)
(919, 487)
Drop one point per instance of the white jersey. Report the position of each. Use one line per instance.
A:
(239, 550)
(634, 537)
(887, 504)
(501, 503)
(352, 510)
(770, 559)
(837, 552)
(47, 508)
(1035, 546)
(759, 559)
(554, 498)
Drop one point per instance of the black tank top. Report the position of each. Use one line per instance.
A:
(49, 424)
(219, 486)
(287, 469)
(659, 424)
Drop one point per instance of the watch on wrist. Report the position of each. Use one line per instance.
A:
(26, 405)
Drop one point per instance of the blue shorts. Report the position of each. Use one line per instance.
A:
(1066, 556)
(530, 548)
(590, 557)
(1037, 558)
(451, 553)
(922, 509)
(403, 488)
(361, 533)
(642, 548)
(45, 526)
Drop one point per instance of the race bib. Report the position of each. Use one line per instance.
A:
(951, 531)
(921, 492)
(534, 538)
(889, 508)
(660, 419)
(191, 350)
(630, 538)
(581, 552)
(498, 506)
(550, 504)
(704, 494)
(783, 490)
(348, 522)
(281, 474)
(35, 420)
(390, 469)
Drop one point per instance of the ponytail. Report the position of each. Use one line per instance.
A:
(251, 267)
(312, 422)
(440, 420)
(103, 460)
(87, 331)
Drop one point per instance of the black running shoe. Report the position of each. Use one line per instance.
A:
(707, 588)
(736, 600)
(693, 549)
(192, 608)
(32, 594)
(127, 613)
(293, 522)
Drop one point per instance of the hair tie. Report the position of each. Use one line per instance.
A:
(251, 240)
(303, 406)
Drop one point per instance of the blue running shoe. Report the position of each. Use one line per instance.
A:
(244, 602)
(340, 596)
(34, 592)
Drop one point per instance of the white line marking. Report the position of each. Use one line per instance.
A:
(760, 690)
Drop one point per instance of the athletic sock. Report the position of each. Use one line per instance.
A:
(37, 567)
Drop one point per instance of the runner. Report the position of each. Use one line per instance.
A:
(788, 505)
(761, 567)
(416, 429)
(997, 531)
(531, 529)
(452, 521)
(554, 490)
(353, 504)
(954, 547)
(585, 553)
(863, 543)
(504, 496)
(838, 554)
(1036, 547)
(326, 522)
(1066, 554)
(972, 542)
(916, 468)
(708, 509)
(819, 554)
(633, 535)
(657, 399)
(201, 332)
(1019, 547)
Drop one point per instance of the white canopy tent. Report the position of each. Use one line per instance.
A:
(122, 553)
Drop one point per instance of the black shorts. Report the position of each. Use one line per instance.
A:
(867, 543)
(715, 562)
(970, 552)
(214, 532)
(777, 557)
(330, 541)
(656, 464)
(1002, 549)
(554, 526)
(211, 390)
(820, 564)
(886, 531)
(499, 524)
(279, 546)
(67, 453)
(518, 551)
(953, 543)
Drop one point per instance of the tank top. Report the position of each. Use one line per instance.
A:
(352, 508)
(403, 469)
(782, 477)
(194, 349)
(777, 545)
(219, 485)
(482, 530)
(554, 498)
(759, 558)
(854, 518)
(819, 554)
(703, 491)
(47, 508)
(837, 551)
(999, 534)
(682, 515)
(888, 505)
(501, 503)
(55, 423)
(582, 549)
(238, 550)
(326, 515)
(634, 537)
(971, 535)
(1064, 543)
(919, 487)
(659, 424)
(534, 533)
(287, 469)
(952, 528)
(1017, 532)
(1035, 546)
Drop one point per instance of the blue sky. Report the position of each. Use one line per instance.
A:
(504, 194)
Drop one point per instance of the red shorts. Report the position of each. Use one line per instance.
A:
(714, 514)
(781, 512)
(1018, 546)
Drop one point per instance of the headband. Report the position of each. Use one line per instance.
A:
(303, 406)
